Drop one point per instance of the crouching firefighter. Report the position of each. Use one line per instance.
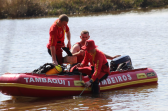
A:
(97, 60)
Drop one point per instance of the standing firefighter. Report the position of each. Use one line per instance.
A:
(56, 39)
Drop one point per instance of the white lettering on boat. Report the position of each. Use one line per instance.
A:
(108, 80)
(124, 78)
(45, 80)
(32, 80)
(37, 79)
(120, 79)
(104, 82)
(68, 83)
(54, 80)
(116, 79)
(49, 81)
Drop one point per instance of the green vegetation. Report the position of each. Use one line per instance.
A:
(31, 8)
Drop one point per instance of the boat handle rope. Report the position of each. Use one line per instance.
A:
(82, 91)
(81, 83)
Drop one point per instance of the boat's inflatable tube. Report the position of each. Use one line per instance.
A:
(42, 85)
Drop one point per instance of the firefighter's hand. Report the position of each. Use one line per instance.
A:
(79, 65)
(82, 52)
(116, 56)
(55, 63)
(87, 84)
(69, 45)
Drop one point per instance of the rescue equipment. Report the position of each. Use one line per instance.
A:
(57, 69)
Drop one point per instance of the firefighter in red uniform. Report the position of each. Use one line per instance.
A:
(96, 59)
(56, 39)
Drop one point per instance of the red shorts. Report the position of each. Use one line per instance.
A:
(58, 55)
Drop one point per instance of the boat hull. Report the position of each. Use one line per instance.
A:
(41, 85)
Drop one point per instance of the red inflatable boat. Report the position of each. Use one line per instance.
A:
(42, 85)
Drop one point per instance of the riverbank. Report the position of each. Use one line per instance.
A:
(38, 8)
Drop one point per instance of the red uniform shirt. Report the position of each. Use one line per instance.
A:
(57, 35)
(79, 57)
(99, 61)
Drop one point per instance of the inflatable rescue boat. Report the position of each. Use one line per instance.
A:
(70, 84)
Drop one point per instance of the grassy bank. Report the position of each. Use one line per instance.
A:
(31, 8)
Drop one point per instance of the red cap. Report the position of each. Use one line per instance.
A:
(89, 45)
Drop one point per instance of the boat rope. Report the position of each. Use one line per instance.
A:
(82, 91)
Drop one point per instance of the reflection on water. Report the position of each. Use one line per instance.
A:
(115, 100)
(143, 36)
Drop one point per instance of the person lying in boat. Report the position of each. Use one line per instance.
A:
(96, 59)
(77, 51)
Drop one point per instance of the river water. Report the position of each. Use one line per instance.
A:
(141, 35)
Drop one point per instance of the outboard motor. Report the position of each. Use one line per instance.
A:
(121, 63)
